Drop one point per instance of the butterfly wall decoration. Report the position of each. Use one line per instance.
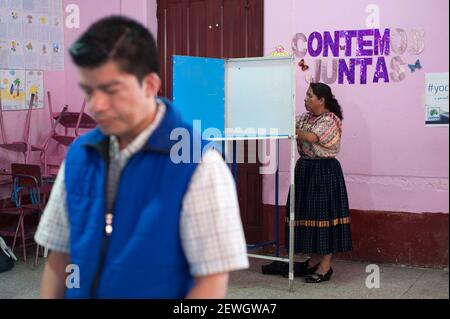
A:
(415, 66)
(303, 65)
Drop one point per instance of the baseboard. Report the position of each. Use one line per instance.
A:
(412, 239)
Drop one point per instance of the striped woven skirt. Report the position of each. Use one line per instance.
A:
(322, 219)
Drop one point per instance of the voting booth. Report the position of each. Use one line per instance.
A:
(240, 99)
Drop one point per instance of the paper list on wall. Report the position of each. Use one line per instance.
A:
(28, 5)
(55, 7)
(16, 58)
(33, 33)
(31, 55)
(45, 59)
(3, 53)
(29, 26)
(56, 32)
(3, 23)
(14, 25)
(43, 5)
(57, 55)
(15, 4)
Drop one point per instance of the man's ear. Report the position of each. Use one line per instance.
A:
(152, 85)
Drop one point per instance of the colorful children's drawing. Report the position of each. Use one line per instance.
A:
(12, 89)
(35, 85)
(43, 20)
(14, 46)
(34, 91)
(15, 88)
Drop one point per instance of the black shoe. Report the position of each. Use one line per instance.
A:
(300, 269)
(312, 270)
(275, 268)
(316, 278)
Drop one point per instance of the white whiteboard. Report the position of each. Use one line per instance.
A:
(260, 96)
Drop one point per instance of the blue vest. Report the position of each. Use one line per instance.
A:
(143, 256)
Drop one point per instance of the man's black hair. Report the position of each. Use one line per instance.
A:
(118, 39)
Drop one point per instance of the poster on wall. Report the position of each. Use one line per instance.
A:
(16, 87)
(31, 34)
(12, 89)
(35, 85)
(436, 99)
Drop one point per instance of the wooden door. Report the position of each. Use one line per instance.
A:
(217, 29)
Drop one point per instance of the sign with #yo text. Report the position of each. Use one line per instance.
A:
(436, 99)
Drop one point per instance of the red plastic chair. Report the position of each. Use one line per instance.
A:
(23, 146)
(67, 120)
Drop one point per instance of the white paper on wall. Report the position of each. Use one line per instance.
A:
(44, 28)
(56, 32)
(3, 23)
(30, 26)
(15, 4)
(31, 55)
(45, 55)
(29, 23)
(16, 58)
(436, 99)
(57, 56)
(55, 7)
(29, 5)
(4, 53)
(14, 25)
(43, 5)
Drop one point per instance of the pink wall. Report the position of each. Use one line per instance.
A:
(63, 85)
(391, 161)
(152, 21)
(90, 11)
(136, 9)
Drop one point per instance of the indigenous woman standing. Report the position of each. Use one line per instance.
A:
(322, 220)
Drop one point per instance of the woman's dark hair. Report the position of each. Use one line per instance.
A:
(322, 90)
(118, 39)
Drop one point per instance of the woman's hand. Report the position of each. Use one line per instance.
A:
(304, 136)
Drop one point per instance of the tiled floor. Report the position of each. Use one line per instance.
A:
(348, 281)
